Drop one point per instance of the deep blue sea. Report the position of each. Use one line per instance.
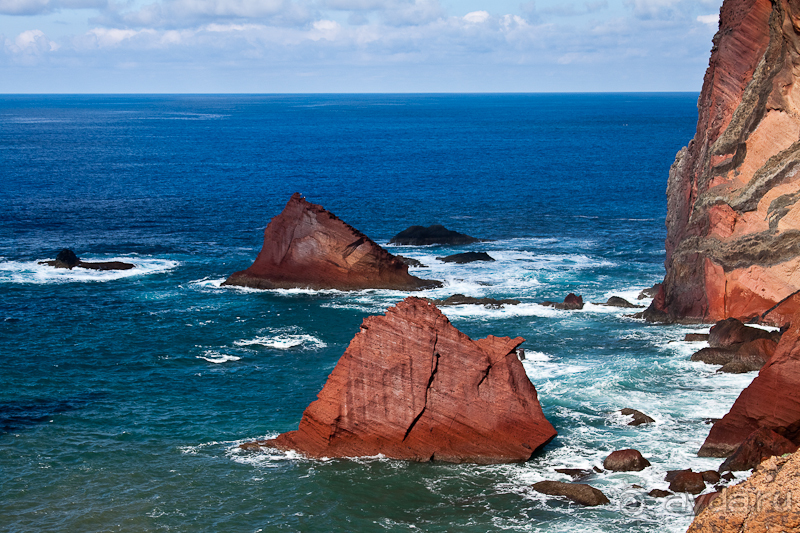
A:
(124, 395)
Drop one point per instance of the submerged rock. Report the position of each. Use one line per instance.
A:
(436, 234)
(577, 492)
(411, 386)
(466, 257)
(639, 417)
(616, 301)
(575, 473)
(306, 246)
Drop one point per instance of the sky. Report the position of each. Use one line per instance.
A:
(354, 46)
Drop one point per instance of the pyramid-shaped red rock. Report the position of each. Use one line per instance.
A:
(306, 246)
(411, 386)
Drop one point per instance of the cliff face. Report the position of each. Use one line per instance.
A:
(733, 222)
(306, 246)
(411, 386)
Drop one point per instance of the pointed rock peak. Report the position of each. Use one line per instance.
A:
(412, 386)
(307, 246)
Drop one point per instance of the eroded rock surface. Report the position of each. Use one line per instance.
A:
(733, 221)
(411, 386)
(306, 246)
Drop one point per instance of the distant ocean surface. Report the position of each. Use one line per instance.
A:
(124, 395)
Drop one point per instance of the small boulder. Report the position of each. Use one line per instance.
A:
(658, 493)
(639, 417)
(616, 301)
(575, 473)
(731, 333)
(759, 445)
(466, 257)
(577, 492)
(571, 302)
(686, 481)
(625, 461)
(66, 258)
(435, 234)
(711, 476)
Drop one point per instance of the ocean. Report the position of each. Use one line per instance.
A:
(124, 394)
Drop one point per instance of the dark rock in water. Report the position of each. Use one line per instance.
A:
(658, 493)
(713, 356)
(436, 234)
(639, 417)
(649, 292)
(750, 356)
(625, 461)
(460, 299)
(575, 473)
(577, 492)
(696, 337)
(411, 262)
(571, 302)
(66, 258)
(616, 301)
(466, 257)
(686, 481)
(759, 445)
(731, 333)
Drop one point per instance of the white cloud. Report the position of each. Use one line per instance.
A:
(711, 20)
(477, 17)
(108, 37)
(37, 7)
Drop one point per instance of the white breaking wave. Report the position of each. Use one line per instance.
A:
(217, 358)
(283, 341)
(33, 272)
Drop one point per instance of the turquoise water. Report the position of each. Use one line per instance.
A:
(124, 395)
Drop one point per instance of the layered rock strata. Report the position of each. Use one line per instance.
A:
(411, 386)
(733, 222)
(306, 246)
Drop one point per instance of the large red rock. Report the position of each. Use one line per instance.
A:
(772, 401)
(411, 386)
(762, 444)
(733, 218)
(308, 247)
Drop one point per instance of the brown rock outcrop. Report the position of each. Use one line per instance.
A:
(571, 302)
(66, 258)
(639, 417)
(766, 502)
(411, 386)
(761, 444)
(771, 401)
(577, 492)
(686, 481)
(625, 461)
(306, 246)
(733, 221)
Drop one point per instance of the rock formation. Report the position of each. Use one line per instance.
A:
(306, 246)
(625, 461)
(733, 221)
(577, 492)
(639, 417)
(762, 444)
(571, 302)
(460, 299)
(686, 481)
(771, 401)
(466, 257)
(436, 234)
(765, 502)
(66, 258)
(411, 386)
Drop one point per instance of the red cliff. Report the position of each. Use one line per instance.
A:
(733, 222)
(306, 246)
(411, 386)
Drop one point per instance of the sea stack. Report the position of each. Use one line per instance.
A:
(411, 386)
(306, 246)
(733, 220)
